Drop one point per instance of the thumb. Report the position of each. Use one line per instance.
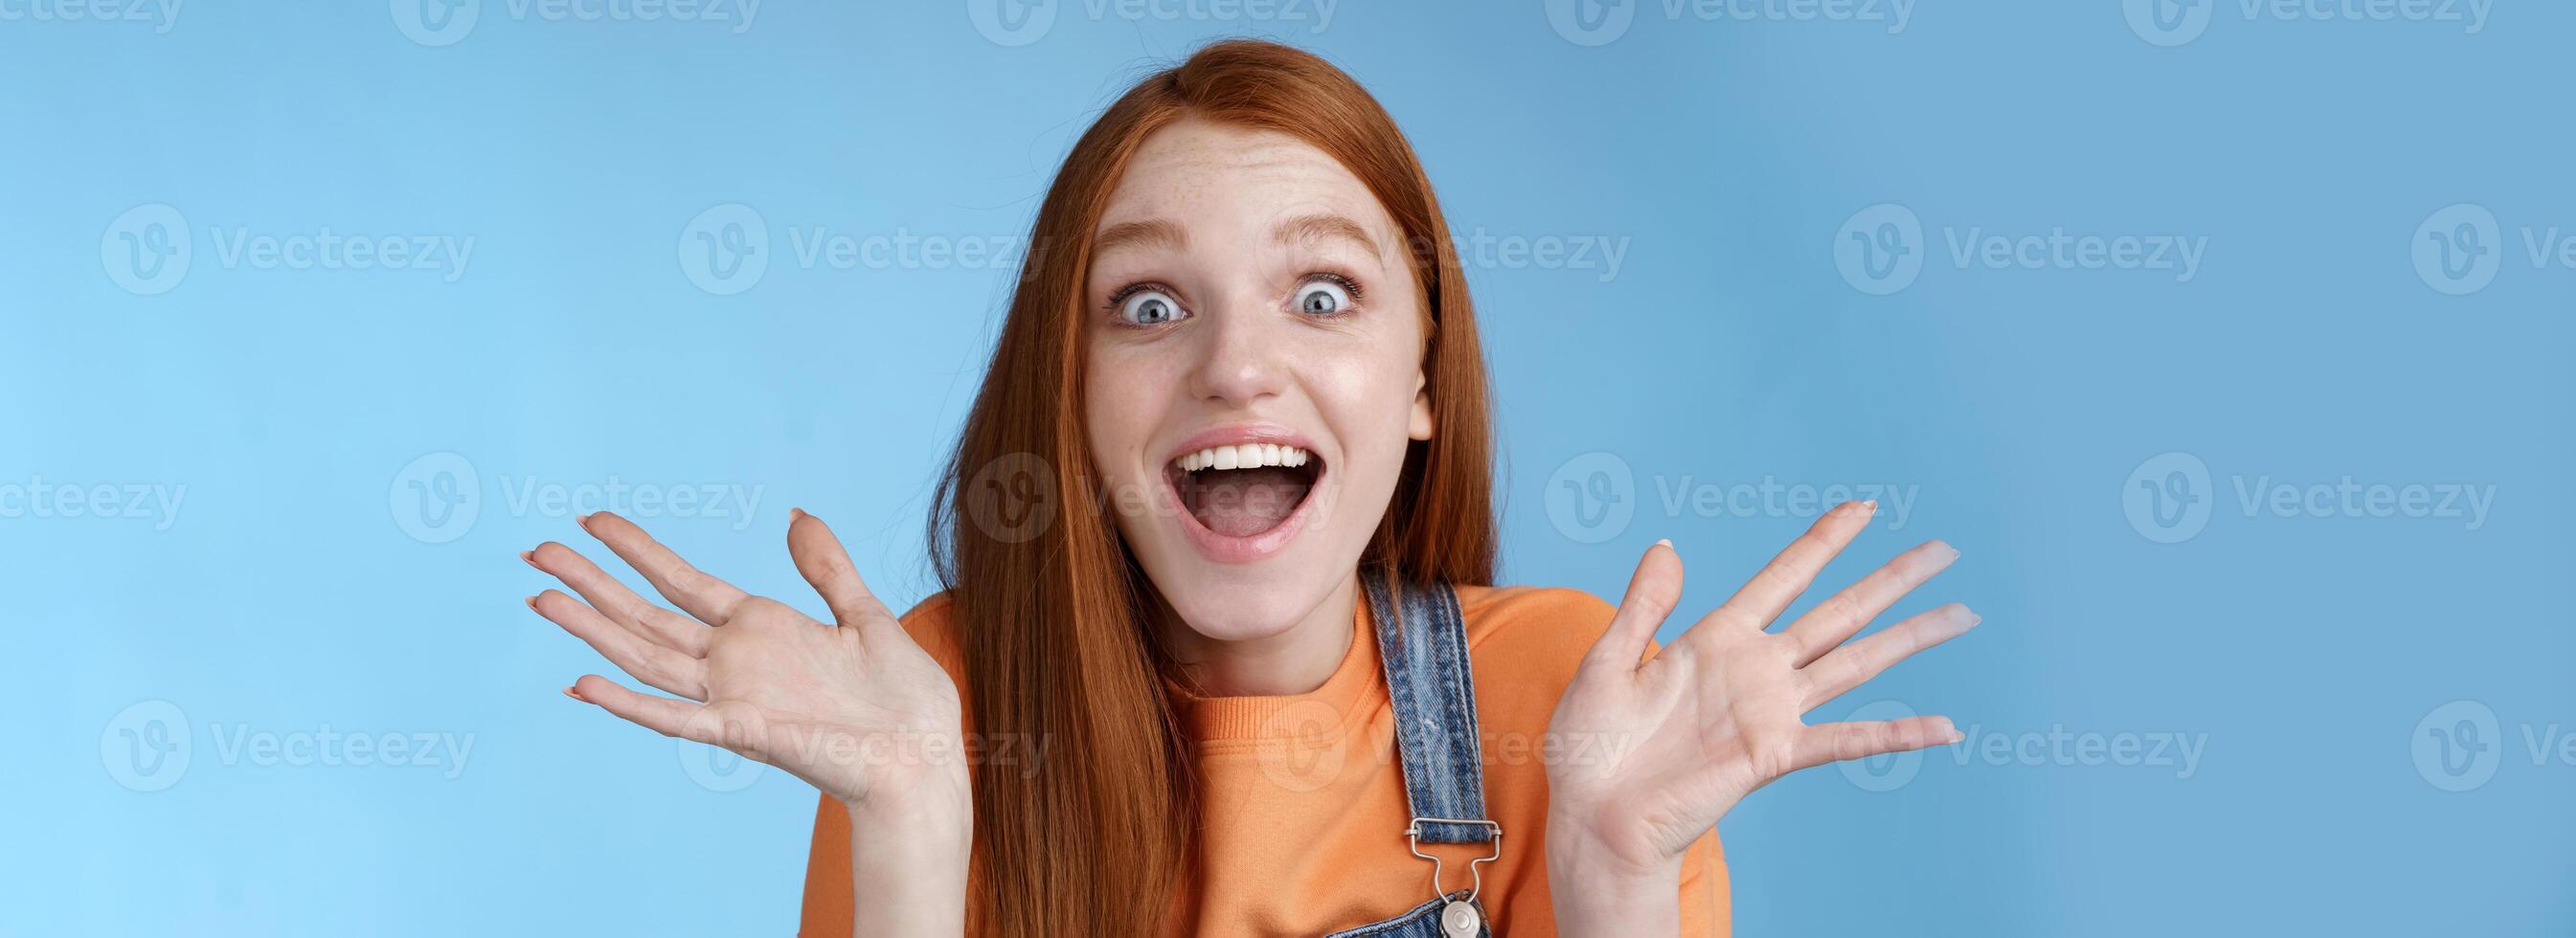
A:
(827, 566)
(1652, 592)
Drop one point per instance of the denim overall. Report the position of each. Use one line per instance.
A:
(1422, 640)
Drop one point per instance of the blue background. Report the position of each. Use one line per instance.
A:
(2019, 408)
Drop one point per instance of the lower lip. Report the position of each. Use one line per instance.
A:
(1250, 548)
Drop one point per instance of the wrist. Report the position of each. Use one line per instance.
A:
(1601, 888)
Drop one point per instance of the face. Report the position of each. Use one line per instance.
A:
(1253, 372)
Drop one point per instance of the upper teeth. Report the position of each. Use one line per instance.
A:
(1244, 456)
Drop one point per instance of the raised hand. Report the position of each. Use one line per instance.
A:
(859, 710)
(1720, 712)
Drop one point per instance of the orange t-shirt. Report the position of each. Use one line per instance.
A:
(1301, 798)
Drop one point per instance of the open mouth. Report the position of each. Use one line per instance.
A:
(1245, 489)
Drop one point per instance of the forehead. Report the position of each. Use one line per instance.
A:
(1199, 174)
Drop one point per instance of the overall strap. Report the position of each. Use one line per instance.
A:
(1422, 640)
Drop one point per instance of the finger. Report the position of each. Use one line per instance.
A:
(1841, 617)
(1852, 665)
(1787, 575)
(1841, 742)
(1653, 591)
(826, 565)
(710, 599)
(621, 605)
(648, 662)
(677, 718)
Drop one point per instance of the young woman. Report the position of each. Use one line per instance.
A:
(1224, 662)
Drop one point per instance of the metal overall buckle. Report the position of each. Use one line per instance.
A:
(1458, 918)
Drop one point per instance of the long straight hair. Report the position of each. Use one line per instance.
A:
(1051, 608)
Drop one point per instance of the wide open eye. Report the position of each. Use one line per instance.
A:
(1322, 298)
(1149, 308)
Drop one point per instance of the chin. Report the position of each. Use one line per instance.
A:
(1224, 609)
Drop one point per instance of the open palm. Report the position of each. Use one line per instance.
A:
(860, 711)
(1667, 746)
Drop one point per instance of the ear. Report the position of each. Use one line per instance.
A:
(1420, 426)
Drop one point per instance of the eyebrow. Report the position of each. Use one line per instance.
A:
(1168, 235)
(1153, 233)
(1322, 227)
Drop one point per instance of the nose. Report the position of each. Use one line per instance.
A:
(1241, 361)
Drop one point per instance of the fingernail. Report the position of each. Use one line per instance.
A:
(1668, 542)
(532, 605)
(794, 513)
(584, 520)
(576, 695)
(1871, 504)
(531, 557)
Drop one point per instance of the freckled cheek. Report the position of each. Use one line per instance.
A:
(1366, 397)
(1126, 398)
